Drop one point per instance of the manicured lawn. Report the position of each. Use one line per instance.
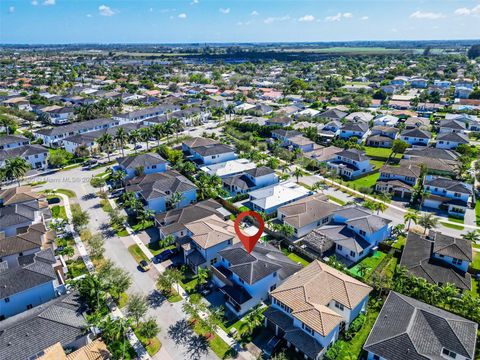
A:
(452, 226)
(368, 181)
(298, 259)
(156, 249)
(454, 219)
(336, 200)
(137, 253)
(355, 345)
(476, 260)
(66, 192)
(377, 164)
(371, 262)
(380, 152)
(106, 205)
(173, 297)
(400, 243)
(190, 284)
(389, 269)
(58, 212)
(217, 345)
(475, 288)
(122, 232)
(142, 226)
(76, 268)
(477, 212)
(152, 345)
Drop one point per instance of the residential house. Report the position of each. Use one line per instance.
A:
(282, 121)
(451, 140)
(332, 126)
(229, 168)
(301, 142)
(363, 116)
(396, 333)
(307, 214)
(250, 180)
(246, 279)
(438, 258)
(156, 190)
(358, 130)
(173, 222)
(312, 307)
(417, 122)
(204, 151)
(136, 165)
(204, 239)
(419, 83)
(96, 350)
(144, 114)
(59, 320)
(350, 163)
(285, 135)
(452, 126)
(382, 136)
(416, 137)
(399, 180)
(385, 120)
(355, 232)
(35, 155)
(333, 115)
(451, 195)
(269, 199)
(323, 154)
(32, 282)
(12, 141)
(60, 115)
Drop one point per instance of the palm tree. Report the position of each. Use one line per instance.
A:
(116, 330)
(92, 290)
(145, 215)
(118, 177)
(472, 236)
(202, 276)
(121, 137)
(298, 172)
(362, 269)
(15, 168)
(427, 221)
(7, 123)
(106, 143)
(253, 319)
(176, 126)
(317, 186)
(175, 198)
(134, 137)
(146, 134)
(157, 132)
(287, 230)
(381, 207)
(411, 215)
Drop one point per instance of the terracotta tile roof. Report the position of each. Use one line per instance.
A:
(309, 292)
(211, 231)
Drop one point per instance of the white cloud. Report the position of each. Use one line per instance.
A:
(34, 2)
(49, 2)
(307, 18)
(339, 16)
(105, 10)
(475, 11)
(426, 15)
(11, 9)
(194, 2)
(182, 16)
(364, 18)
(89, 15)
(224, 11)
(254, 13)
(271, 19)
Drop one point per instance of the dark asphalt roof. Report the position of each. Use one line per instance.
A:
(407, 329)
(449, 185)
(145, 160)
(261, 262)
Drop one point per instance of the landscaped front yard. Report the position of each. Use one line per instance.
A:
(218, 346)
(137, 253)
(368, 181)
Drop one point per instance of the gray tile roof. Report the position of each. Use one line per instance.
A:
(417, 258)
(28, 333)
(342, 235)
(77, 127)
(431, 152)
(214, 149)
(13, 139)
(451, 246)
(23, 151)
(362, 218)
(353, 154)
(145, 160)
(261, 262)
(333, 114)
(407, 329)
(34, 270)
(417, 133)
(260, 171)
(16, 214)
(449, 185)
(454, 137)
(406, 168)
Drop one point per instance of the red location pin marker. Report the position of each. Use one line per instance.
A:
(248, 241)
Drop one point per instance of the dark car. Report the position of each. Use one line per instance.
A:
(144, 265)
(53, 200)
(165, 255)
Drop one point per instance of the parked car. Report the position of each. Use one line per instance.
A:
(144, 265)
(165, 255)
(138, 147)
(53, 200)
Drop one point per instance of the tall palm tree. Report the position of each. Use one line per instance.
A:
(158, 132)
(176, 126)
(146, 134)
(134, 137)
(473, 236)
(145, 215)
(106, 143)
(121, 137)
(7, 122)
(16, 168)
(116, 330)
(410, 215)
(298, 172)
(427, 221)
(175, 198)
(253, 319)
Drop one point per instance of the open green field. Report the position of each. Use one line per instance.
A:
(368, 181)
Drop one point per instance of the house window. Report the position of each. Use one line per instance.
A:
(339, 247)
(449, 353)
(339, 306)
(456, 194)
(456, 261)
(213, 261)
(273, 287)
(7, 299)
(376, 357)
(352, 253)
(307, 329)
(29, 306)
(154, 166)
(362, 232)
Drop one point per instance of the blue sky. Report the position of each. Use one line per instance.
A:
(171, 21)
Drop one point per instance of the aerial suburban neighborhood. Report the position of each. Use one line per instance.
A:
(124, 169)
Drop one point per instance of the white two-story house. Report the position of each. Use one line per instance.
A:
(451, 195)
(350, 163)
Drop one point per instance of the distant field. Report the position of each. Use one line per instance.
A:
(350, 50)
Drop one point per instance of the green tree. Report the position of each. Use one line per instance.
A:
(144, 216)
(80, 219)
(134, 137)
(137, 307)
(149, 329)
(202, 276)
(398, 147)
(59, 157)
(106, 142)
(410, 215)
(252, 320)
(121, 137)
(427, 221)
(96, 247)
(298, 173)
(15, 168)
